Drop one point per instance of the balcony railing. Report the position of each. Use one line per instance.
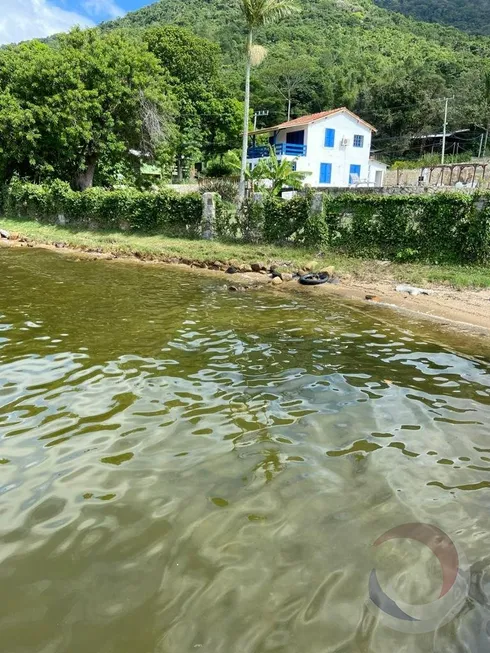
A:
(281, 149)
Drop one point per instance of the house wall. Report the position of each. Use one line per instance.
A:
(376, 174)
(341, 157)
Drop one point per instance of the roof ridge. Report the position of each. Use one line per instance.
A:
(312, 117)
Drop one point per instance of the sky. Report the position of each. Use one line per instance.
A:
(21, 20)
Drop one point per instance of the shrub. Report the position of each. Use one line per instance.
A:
(292, 221)
(227, 188)
(440, 228)
(163, 212)
(219, 169)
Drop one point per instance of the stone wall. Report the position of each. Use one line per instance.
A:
(394, 190)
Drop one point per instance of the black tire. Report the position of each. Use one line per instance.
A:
(314, 279)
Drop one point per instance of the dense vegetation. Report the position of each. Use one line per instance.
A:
(91, 106)
(471, 16)
(88, 107)
(437, 228)
(127, 209)
(390, 69)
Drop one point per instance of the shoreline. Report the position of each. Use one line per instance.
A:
(464, 310)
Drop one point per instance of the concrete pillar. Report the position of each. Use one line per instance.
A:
(317, 204)
(208, 221)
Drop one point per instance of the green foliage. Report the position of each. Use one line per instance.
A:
(281, 174)
(280, 221)
(263, 12)
(439, 228)
(218, 168)
(227, 222)
(84, 98)
(250, 218)
(74, 107)
(388, 68)
(208, 117)
(283, 219)
(169, 213)
(472, 16)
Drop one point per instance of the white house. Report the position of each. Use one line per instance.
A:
(333, 147)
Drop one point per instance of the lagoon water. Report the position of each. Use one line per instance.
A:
(185, 469)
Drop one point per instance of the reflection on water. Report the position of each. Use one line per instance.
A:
(186, 469)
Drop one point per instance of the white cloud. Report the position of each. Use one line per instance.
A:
(102, 8)
(21, 20)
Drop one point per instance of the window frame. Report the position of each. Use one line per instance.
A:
(329, 138)
(357, 172)
(360, 142)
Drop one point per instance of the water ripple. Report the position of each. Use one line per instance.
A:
(182, 468)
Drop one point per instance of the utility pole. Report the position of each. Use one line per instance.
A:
(258, 114)
(481, 146)
(446, 99)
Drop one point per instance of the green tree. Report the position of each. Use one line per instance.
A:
(357, 50)
(290, 76)
(472, 100)
(85, 97)
(208, 117)
(257, 13)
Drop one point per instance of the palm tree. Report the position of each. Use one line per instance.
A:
(257, 13)
(280, 173)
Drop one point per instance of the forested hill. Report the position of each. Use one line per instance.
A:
(392, 70)
(470, 15)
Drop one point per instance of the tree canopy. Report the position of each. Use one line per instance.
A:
(470, 15)
(208, 118)
(167, 82)
(76, 107)
(388, 68)
(67, 105)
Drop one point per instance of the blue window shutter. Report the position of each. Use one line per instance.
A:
(354, 170)
(329, 137)
(325, 173)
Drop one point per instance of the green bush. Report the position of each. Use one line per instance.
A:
(227, 223)
(439, 228)
(164, 212)
(291, 221)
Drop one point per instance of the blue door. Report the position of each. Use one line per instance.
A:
(325, 173)
(354, 170)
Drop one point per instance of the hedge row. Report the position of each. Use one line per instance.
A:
(439, 228)
(165, 212)
(274, 220)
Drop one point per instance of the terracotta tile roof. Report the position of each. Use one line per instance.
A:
(305, 120)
